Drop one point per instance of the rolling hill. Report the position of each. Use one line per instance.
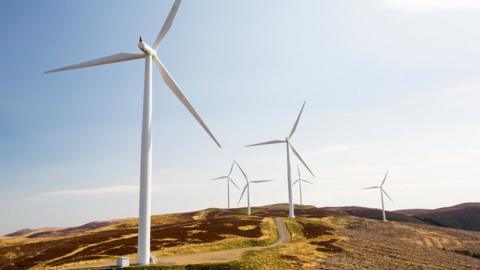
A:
(47, 232)
(373, 213)
(464, 216)
(318, 238)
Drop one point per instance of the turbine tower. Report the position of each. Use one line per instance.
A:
(299, 181)
(247, 188)
(149, 54)
(382, 191)
(288, 143)
(229, 179)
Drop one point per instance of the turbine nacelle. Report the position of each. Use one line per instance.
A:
(145, 48)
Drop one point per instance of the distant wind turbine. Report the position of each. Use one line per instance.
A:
(149, 54)
(382, 191)
(288, 143)
(247, 188)
(229, 179)
(299, 181)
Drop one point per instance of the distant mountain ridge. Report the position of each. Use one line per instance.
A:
(372, 213)
(55, 231)
(465, 216)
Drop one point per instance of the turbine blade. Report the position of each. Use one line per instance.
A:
(241, 170)
(306, 181)
(243, 192)
(260, 181)
(219, 178)
(119, 57)
(178, 92)
(296, 122)
(298, 170)
(296, 181)
(233, 182)
(231, 168)
(371, 187)
(384, 178)
(384, 192)
(301, 160)
(167, 24)
(264, 143)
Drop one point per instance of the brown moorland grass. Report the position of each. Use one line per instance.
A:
(346, 242)
(121, 239)
(206, 231)
(320, 239)
(390, 245)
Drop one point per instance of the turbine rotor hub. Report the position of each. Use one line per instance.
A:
(145, 48)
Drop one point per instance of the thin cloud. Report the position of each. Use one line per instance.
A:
(109, 190)
(459, 93)
(92, 191)
(338, 149)
(334, 149)
(466, 89)
(432, 5)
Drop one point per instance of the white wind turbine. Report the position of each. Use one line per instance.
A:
(299, 181)
(149, 54)
(289, 145)
(247, 188)
(382, 191)
(229, 179)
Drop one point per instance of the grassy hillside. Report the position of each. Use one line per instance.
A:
(463, 216)
(321, 238)
(351, 243)
(372, 213)
(171, 234)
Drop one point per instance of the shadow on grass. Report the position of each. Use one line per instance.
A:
(468, 253)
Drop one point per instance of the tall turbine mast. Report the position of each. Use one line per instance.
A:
(289, 147)
(150, 55)
(382, 191)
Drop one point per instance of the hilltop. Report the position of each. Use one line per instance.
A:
(319, 238)
(464, 216)
(48, 232)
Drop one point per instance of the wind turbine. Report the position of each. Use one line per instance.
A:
(247, 188)
(382, 191)
(229, 179)
(299, 181)
(149, 54)
(288, 143)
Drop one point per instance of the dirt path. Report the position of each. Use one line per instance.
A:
(222, 255)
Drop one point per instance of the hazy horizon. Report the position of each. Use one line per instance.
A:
(389, 84)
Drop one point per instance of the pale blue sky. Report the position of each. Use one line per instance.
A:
(388, 83)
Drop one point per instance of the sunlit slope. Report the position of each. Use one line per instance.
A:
(321, 238)
(371, 244)
(171, 234)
